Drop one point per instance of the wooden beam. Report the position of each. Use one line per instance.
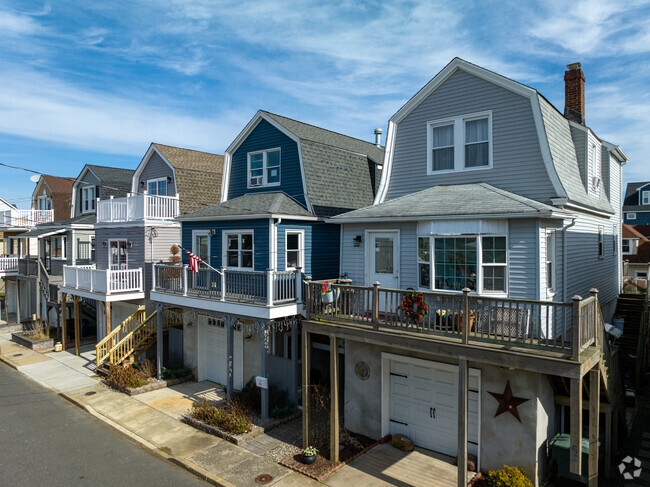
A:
(230, 356)
(463, 382)
(64, 319)
(594, 416)
(17, 301)
(334, 400)
(108, 317)
(77, 338)
(306, 413)
(608, 444)
(575, 450)
(159, 340)
(264, 352)
(295, 370)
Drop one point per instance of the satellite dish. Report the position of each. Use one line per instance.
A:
(35, 178)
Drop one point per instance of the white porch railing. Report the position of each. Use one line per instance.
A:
(102, 281)
(8, 264)
(25, 218)
(137, 207)
(240, 286)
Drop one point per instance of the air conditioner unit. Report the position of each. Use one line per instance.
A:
(596, 182)
(257, 181)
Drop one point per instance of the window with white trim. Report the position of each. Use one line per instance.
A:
(627, 246)
(57, 247)
(631, 216)
(460, 143)
(88, 199)
(201, 246)
(601, 243)
(645, 197)
(264, 168)
(239, 250)
(550, 261)
(294, 253)
(44, 203)
(157, 186)
(424, 262)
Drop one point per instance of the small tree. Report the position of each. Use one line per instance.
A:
(174, 258)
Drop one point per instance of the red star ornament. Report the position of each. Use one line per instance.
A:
(508, 402)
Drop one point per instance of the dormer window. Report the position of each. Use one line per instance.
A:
(157, 187)
(44, 202)
(459, 144)
(645, 197)
(88, 199)
(264, 168)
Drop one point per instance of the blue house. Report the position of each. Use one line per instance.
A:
(282, 180)
(636, 204)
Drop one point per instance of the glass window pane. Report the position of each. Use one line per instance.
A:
(455, 260)
(273, 175)
(293, 240)
(494, 278)
(162, 187)
(423, 249)
(257, 161)
(246, 241)
(442, 159)
(476, 130)
(247, 259)
(443, 136)
(425, 275)
(233, 242)
(383, 255)
(292, 258)
(152, 188)
(233, 258)
(273, 159)
(477, 155)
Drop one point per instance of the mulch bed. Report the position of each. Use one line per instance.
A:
(322, 467)
(154, 385)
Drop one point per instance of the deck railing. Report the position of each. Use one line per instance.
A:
(25, 218)
(518, 322)
(240, 286)
(137, 207)
(8, 264)
(102, 281)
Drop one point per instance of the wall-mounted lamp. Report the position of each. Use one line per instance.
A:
(129, 245)
(357, 241)
(104, 243)
(142, 184)
(212, 232)
(169, 179)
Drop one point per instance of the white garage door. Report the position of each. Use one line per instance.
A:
(424, 405)
(214, 353)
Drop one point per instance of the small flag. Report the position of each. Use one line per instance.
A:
(194, 260)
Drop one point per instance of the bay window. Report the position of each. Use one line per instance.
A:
(239, 250)
(264, 168)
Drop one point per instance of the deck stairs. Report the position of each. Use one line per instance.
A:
(129, 340)
(633, 343)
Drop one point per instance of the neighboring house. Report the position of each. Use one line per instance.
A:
(636, 204)
(636, 255)
(137, 228)
(282, 179)
(487, 190)
(53, 193)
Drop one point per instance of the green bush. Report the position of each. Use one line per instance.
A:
(281, 406)
(126, 376)
(508, 477)
(233, 418)
(168, 374)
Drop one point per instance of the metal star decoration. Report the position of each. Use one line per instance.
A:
(508, 402)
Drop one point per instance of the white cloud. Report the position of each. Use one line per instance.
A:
(12, 24)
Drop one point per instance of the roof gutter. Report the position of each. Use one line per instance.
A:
(246, 217)
(550, 214)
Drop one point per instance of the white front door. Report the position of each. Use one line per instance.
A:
(423, 405)
(215, 350)
(384, 259)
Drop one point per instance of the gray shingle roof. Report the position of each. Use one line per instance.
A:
(198, 176)
(339, 170)
(273, 203)
(630, 202)
(114, 181)
(456, 200)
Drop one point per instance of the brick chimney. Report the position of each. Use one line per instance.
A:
(574, 93)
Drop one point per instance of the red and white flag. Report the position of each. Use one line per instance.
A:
(194, 260)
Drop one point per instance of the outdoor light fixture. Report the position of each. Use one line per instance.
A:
(212, 232)
(357, 241)
(169, 179)
(104, 243)
(142, 183)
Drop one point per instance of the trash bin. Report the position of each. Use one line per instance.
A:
(561, 446)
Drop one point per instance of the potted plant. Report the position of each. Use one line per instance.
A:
(414, 306)
(309, 455)
(327, 293)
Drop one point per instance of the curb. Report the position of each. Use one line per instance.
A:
(181, 462)
(11, 364)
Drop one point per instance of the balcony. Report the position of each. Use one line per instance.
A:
(269, 295)
(103, 284)
(8, 266)
(137, 207)
(25, 218)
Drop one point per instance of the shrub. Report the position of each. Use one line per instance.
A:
(281, 406)
(147, 368)
(508, 477)
(172, 374)
(232, 418)
(126, 376)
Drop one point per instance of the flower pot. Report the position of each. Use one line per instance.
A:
(308, 459)
(471, 323)
(328, 297)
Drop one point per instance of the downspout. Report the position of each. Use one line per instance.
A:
(275, 242)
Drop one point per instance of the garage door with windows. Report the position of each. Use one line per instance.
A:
(423, 403)
(214, 352)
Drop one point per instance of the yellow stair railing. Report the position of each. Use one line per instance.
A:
(116, 335)
(133, 342)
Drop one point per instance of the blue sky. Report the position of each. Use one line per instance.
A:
(96, 82)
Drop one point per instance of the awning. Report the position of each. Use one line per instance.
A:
(41, 233)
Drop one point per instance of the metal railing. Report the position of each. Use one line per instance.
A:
(529, 323)
(8, 264)
(25, 218)
(239, 286)
(103, 281)
(137, 207)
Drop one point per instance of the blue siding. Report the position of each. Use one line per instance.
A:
(642, 218)
(260, 239)
(266, 136)
(322, 242)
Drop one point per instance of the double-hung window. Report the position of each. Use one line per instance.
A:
(645, 197)
(424, 262)
(239, 250)
(460, 143)
(87, 199)
(157, 187)
(626, 246)
(550, 261)
(294, 249)
(601, 243)
(494, 264)
(264, 168)
(58, 247)
(44, 203)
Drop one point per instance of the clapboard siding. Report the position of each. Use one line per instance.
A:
(523, 258)
(89, 179)
(266, 136)
(517, 159)
(134, 254)
(260, 239)
(157, 168)
(162, 244)
(321, 248)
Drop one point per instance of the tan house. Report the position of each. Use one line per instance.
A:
(53, 193)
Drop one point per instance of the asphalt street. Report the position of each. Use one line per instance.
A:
(47, 441)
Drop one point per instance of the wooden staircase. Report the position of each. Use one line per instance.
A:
(129, 340)
(632, 344)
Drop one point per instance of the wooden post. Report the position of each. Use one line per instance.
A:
(230, 345)
(263, 352)
(465, 318)
(17, 301)
(463, 382)
(77, 337)
(594, 416)
(159, 340)
(575, 328)
(375, 304)
(334, 399)
(575, 450)
(298, 278)
(306, 413)
(597, 331)
(608, 443)
(223, 283)
(309, 297)
(64, 319)
(295, 372)
(270, 287)
(38, 288)
(108, 318)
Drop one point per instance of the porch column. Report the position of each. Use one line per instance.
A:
(77, 337)
(263, 352)
(17, 301)
(64, 319)
(305, 389)
(38, 289)
(608, 442)
(230, 346)
(108, 317)
(463, 381)
(334, 399)
(293, 394)
(159, 340)
(594, 416)
(575, 451)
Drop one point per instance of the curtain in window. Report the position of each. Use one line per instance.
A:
(443, 148)
(476, 143)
